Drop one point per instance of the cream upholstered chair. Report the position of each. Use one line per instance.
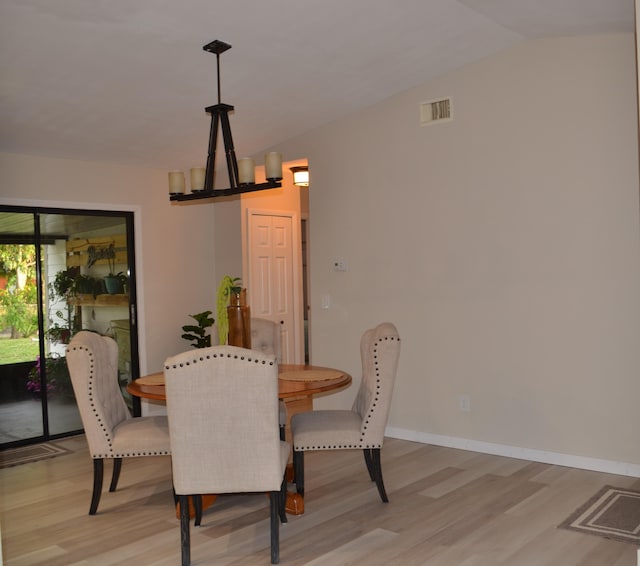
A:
(363, 426)
(222, 404)
(111, 431)
(265, 338)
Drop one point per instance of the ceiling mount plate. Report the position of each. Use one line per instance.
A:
(216, 47)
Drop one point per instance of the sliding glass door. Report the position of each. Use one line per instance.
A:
(61, 271)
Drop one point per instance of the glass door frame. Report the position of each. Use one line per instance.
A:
(37, 239)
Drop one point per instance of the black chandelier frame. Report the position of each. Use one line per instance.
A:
(220, 119)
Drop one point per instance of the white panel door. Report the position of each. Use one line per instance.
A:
(271, 285)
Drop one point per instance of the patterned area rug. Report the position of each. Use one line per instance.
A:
(612, 513)
(27, 454)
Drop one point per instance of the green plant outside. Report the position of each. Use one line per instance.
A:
(19, 312)
(16, 350)
(58, 378)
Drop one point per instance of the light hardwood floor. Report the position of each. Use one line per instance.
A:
(447, 508)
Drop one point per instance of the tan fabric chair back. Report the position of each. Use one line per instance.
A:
(380, 352)
(92, 360)
(222, 404)
(265, 337)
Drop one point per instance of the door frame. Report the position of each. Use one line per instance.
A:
(137, 246)
(36, 212)
(296, 266)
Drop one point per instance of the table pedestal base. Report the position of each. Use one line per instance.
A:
(294, 505)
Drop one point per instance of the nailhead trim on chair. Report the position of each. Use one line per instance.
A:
(334, 446)
(92, 402)
(378, 387)
(209, 356)
(367, 418)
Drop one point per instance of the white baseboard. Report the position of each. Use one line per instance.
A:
(569, 460)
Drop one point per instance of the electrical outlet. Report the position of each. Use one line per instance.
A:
(464, 402)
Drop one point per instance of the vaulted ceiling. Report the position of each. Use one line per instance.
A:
(127, 81)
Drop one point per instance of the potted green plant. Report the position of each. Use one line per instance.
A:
(114, 283)
(62, 290)
(234, 315)
(87, 285)
(198, 333)
(229, 287)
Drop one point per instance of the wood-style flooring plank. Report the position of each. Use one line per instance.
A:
(447, 507)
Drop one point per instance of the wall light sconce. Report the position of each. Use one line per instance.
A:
(300, 176)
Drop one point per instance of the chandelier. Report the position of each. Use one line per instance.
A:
(241, 171)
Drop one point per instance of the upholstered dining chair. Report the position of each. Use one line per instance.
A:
(265, 337)
(111, 431)
(222, 404)
(363, 426)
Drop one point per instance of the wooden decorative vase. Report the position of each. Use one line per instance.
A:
(239, 316)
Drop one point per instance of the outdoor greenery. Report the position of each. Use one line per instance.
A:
(18, 300)
(57, 375)
(19, 311)
(13, 351)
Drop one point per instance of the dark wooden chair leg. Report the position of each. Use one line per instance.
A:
(369, 462)
(282, 501)
(377, 472)
(197, 507)
(185, 538)
(274, 504)
(298, 471)
(115, 476)
(98, 472)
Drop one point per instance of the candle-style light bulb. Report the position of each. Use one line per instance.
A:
(273, 166)
(176, 182)
(246, 171)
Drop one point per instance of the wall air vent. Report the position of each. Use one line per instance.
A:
(435, 111)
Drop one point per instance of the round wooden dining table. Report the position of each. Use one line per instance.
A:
(297, 384)
(295, 381)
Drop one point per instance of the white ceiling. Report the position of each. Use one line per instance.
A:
(127, 80)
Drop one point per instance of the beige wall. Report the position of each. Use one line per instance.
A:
(175, 266)
(504, 244)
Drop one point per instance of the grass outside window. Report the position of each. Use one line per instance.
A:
(13, 351)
